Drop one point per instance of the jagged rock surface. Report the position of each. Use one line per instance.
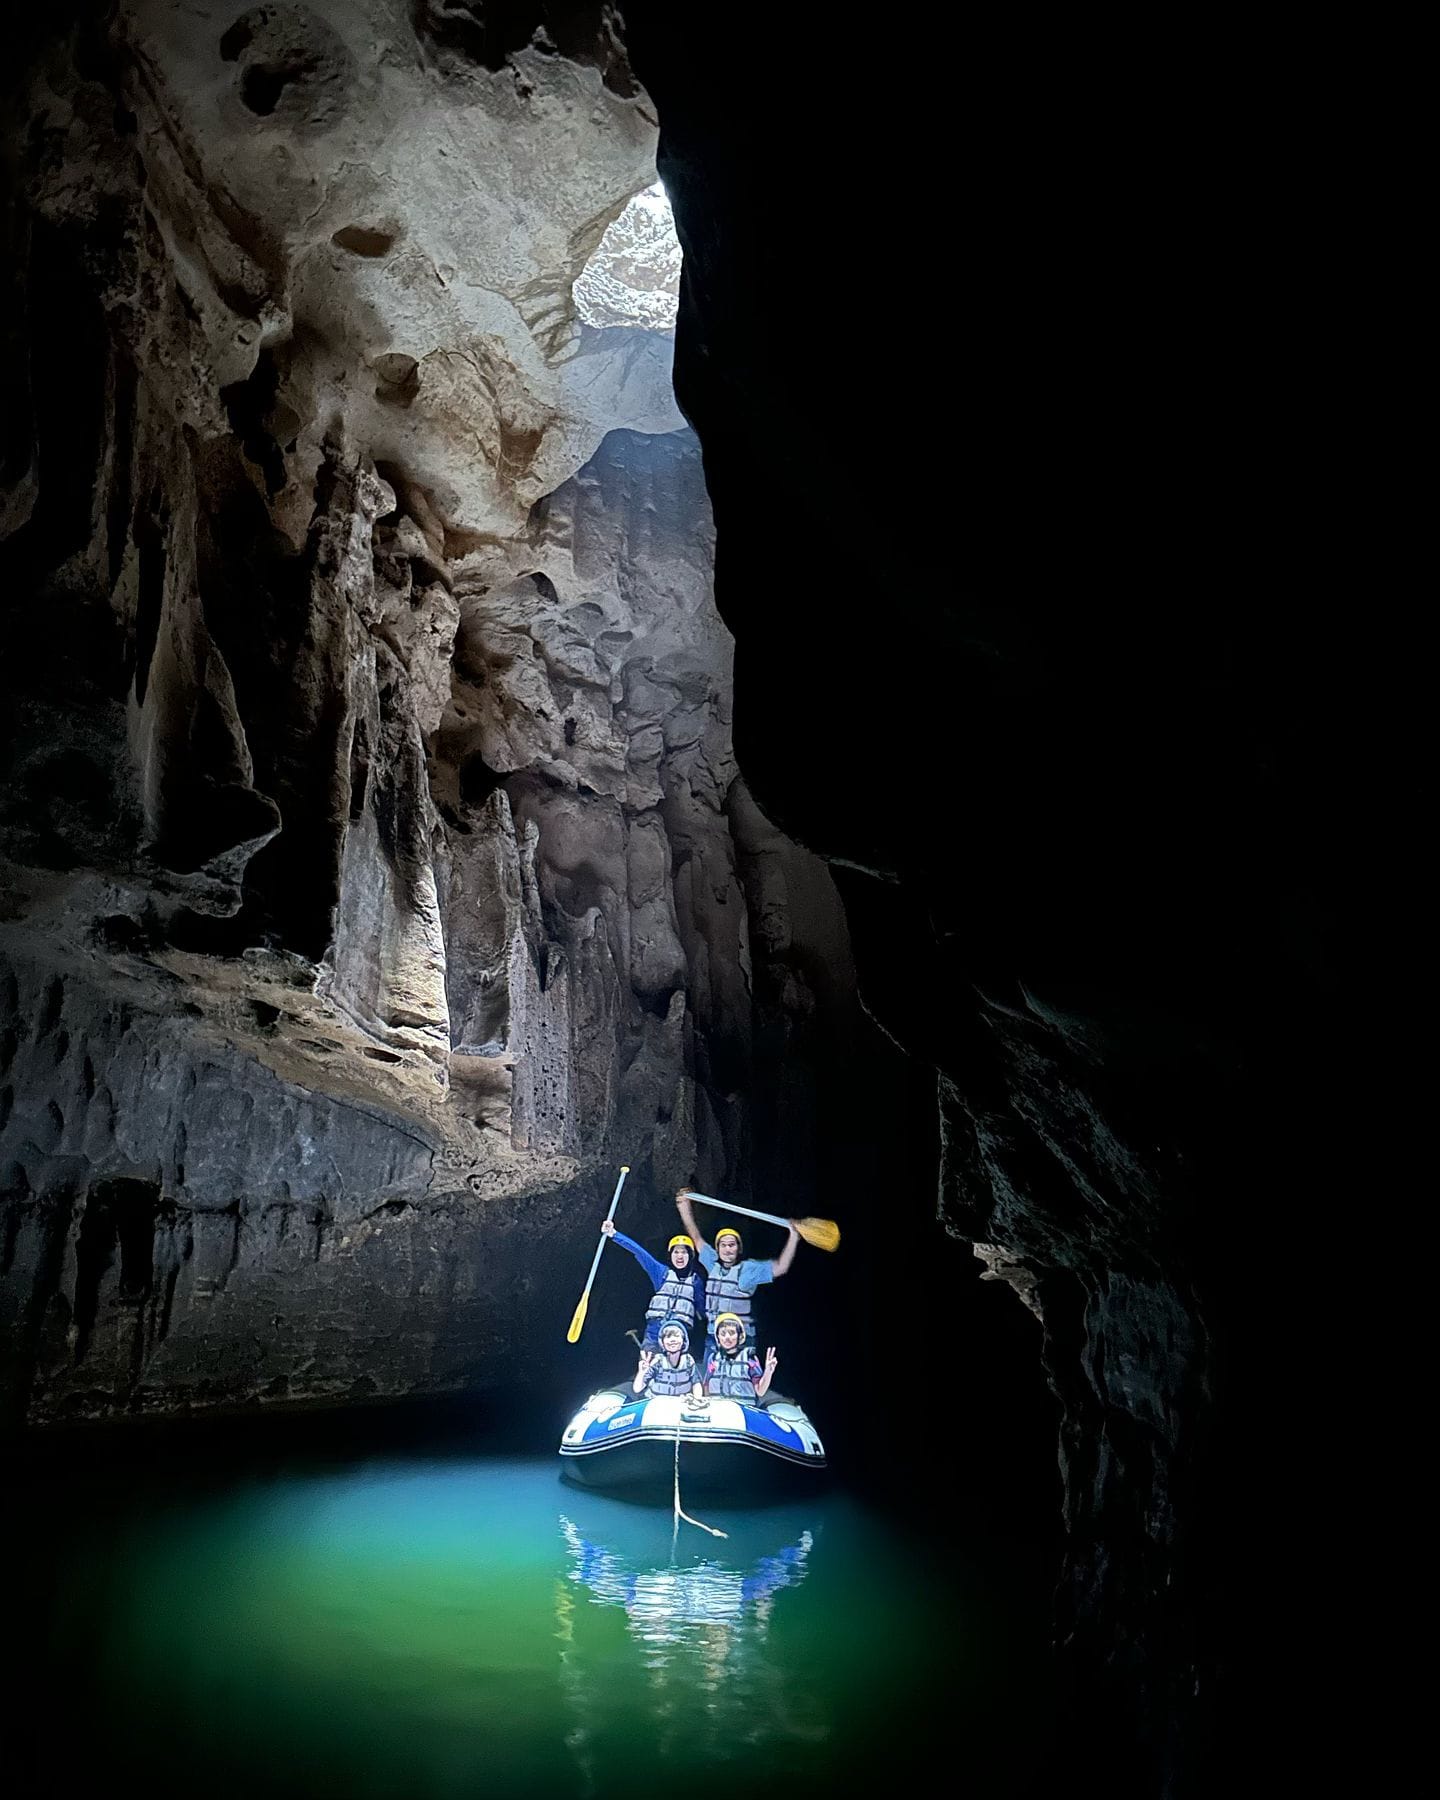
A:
(371, 886)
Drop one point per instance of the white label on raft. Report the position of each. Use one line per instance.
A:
(667, 1411)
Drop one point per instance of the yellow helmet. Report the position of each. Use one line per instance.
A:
(728, 1231)
(689, 1243)
(731, 1319)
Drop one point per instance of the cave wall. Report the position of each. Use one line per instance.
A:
(378, 875)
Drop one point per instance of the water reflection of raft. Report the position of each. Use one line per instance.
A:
(623, 1442)
(626, 1557)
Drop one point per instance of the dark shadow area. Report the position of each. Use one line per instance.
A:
(1004, 486)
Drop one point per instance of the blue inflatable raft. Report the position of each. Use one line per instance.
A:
(626, 1443)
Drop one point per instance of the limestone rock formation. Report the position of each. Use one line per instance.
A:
(371, 887)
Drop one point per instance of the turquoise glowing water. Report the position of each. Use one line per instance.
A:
(429, 1627)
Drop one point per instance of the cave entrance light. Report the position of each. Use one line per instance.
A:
(633, 275)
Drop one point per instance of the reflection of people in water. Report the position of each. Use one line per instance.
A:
(710, 1678)
(730, 1369)
(671, 1369)
(665, 1604)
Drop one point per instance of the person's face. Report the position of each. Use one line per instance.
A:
(729, 1337)
(727, 1248)
(679, 1257)
(671, 1342)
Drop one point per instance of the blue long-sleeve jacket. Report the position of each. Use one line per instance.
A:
(657, 1271)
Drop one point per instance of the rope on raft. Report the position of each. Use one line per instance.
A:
(679, 1515)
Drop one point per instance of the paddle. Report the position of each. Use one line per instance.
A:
(577, 1324)
(824, 1234)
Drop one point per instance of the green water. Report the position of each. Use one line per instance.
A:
(450, 1626)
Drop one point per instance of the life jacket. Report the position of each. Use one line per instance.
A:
(674, 1298)
(732, 1376)
(723, 1293)
(665, 1380)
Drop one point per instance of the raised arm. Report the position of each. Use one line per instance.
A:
(655, 1270)
(762, 1386)
(786, 1257)
(642, 1374)
(687, 1213)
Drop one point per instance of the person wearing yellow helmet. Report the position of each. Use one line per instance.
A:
(731, 1369)
(732, 1278)
(679, 1287)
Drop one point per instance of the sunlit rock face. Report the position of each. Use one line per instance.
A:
(633, 275)
(378, 874)
(366, 227)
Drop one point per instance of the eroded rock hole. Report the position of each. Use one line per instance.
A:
(118, 931)
(260, 419)
(262, 85)
(363, 240)
(397, 378)
(478, 781)
(51, 1008)
(236, 40)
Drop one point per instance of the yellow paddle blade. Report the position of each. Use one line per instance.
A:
(824, 1234)
(578, 1322)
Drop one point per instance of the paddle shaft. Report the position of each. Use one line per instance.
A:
(745, 1211)
(582, 1308)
